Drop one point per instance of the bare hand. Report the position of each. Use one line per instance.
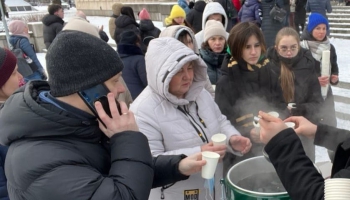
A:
(240, 143)
(324, 80)
(303, 126)
(118, 123)
(191, 164)
(254, 136)
(220, 149)
(101, 28)
(334, 78)
(269, 127)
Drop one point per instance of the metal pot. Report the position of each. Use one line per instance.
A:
(249, 168)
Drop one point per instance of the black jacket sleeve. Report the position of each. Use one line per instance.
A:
(310, 109)
(334, 64)
(166, 170)
(296, 171)
(330, 137)
(130, 176)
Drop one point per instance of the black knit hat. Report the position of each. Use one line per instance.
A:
(129, 37)
(77, 61)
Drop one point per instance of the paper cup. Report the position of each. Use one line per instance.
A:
(257, 127)
(219, 139)
(290, 124)
(214, 87)
(291, 105)
(212, 158)
(273, 113)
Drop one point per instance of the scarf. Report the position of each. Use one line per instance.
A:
(317, 47)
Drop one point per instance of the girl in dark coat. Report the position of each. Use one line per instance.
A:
(246, 86)
(195, 16)
(125, 22)
(297, 79)
(315, 39)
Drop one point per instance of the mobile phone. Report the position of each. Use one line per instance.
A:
(97, 93)
(105, 105)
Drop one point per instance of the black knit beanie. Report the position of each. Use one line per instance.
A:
(129, 37)
(77, 61)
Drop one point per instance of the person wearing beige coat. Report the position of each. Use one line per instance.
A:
(116, 13)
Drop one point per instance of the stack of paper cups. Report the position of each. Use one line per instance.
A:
(337, 189)
(325, 70)
(212, 158)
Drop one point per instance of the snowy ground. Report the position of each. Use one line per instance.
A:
(341, 46)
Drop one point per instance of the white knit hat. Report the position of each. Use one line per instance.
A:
(213, 28)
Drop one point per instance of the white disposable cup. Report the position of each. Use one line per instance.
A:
(208, 170)
(257, 128)
(214, 87)
(219, 139)
(273, 113)
(290, 124)
(292, 105)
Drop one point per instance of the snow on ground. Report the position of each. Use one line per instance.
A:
(341, 46)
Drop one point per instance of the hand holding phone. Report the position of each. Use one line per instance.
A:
(116, 122)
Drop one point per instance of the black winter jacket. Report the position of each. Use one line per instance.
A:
(55, 154)
(294, 168)
(195, 16)
(307, 95)
(243, 90)
(52, 26)
(328, 106)
(124, 23)
(148, 31)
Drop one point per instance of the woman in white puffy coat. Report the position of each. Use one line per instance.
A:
(179, 116)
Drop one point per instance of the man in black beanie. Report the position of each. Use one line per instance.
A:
(57, 148)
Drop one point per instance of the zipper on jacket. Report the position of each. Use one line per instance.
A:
(192, 121)
(164, 188)
(200, 119)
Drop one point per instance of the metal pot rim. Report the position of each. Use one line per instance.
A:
(249, 191)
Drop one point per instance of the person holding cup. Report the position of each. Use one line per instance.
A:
(296, 171)
(246, 86)
(179, 116)
(297, 79)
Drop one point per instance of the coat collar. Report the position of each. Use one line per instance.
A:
(129, 49)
